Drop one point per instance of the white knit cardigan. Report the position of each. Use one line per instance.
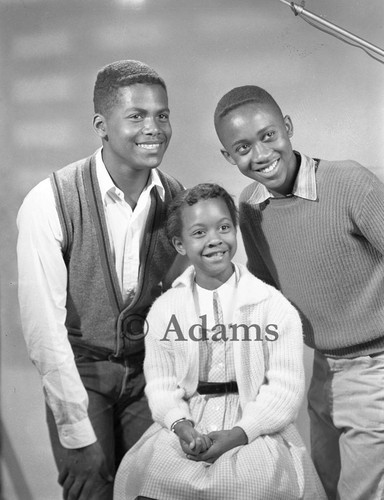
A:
(269, 374)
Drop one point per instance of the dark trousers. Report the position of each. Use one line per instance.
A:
(118, 411)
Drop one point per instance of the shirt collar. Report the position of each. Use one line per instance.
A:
(187, 278)
(107, 187)
(251, 292)
(304, 187)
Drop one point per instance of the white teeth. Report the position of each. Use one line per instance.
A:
(269, 169)
(148, 146)
(216, 254)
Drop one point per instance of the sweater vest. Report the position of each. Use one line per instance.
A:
(98, 321)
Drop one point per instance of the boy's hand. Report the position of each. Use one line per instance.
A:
(191, 441)
(84, 472)
(222, 441)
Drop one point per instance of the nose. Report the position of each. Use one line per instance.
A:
(260, 152)
(214, 241)
(151, 126)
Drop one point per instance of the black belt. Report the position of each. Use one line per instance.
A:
(217, 387)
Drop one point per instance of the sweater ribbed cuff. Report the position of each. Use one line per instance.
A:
(174, 415)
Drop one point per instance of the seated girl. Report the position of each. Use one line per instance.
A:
(224, 374)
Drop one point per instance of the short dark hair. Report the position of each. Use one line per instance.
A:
(191, 196)
(117, 75)
(242, 95)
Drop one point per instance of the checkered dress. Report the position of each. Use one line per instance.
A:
(271, 467)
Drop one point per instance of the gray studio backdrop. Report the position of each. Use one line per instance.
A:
(50, 51)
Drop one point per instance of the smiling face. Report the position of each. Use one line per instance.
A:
(208, 238)
(256, 138)
(136, 131)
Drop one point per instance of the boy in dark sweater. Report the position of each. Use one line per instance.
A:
(92, 257)
(315, 230)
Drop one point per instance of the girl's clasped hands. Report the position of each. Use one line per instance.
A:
(207, 447)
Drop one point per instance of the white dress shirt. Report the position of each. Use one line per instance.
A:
(125, 226)
(43, 290)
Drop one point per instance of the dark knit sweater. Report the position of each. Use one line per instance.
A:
(97, 318)
(326, 256)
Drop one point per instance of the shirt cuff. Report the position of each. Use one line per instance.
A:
(77, 435)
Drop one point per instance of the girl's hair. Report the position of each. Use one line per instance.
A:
(191, 196)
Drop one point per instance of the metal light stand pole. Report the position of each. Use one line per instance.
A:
(298, 10)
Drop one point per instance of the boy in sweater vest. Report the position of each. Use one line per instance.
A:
(315, 230)
(92, 257)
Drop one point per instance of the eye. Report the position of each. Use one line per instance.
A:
(270, 135)
(135, 116)
(198, 233)
(225, 227)
(164, 117)
(242, 149)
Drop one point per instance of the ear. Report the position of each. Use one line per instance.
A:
(178, 244)
(100, 126)
(288, 125)
(228, 157)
